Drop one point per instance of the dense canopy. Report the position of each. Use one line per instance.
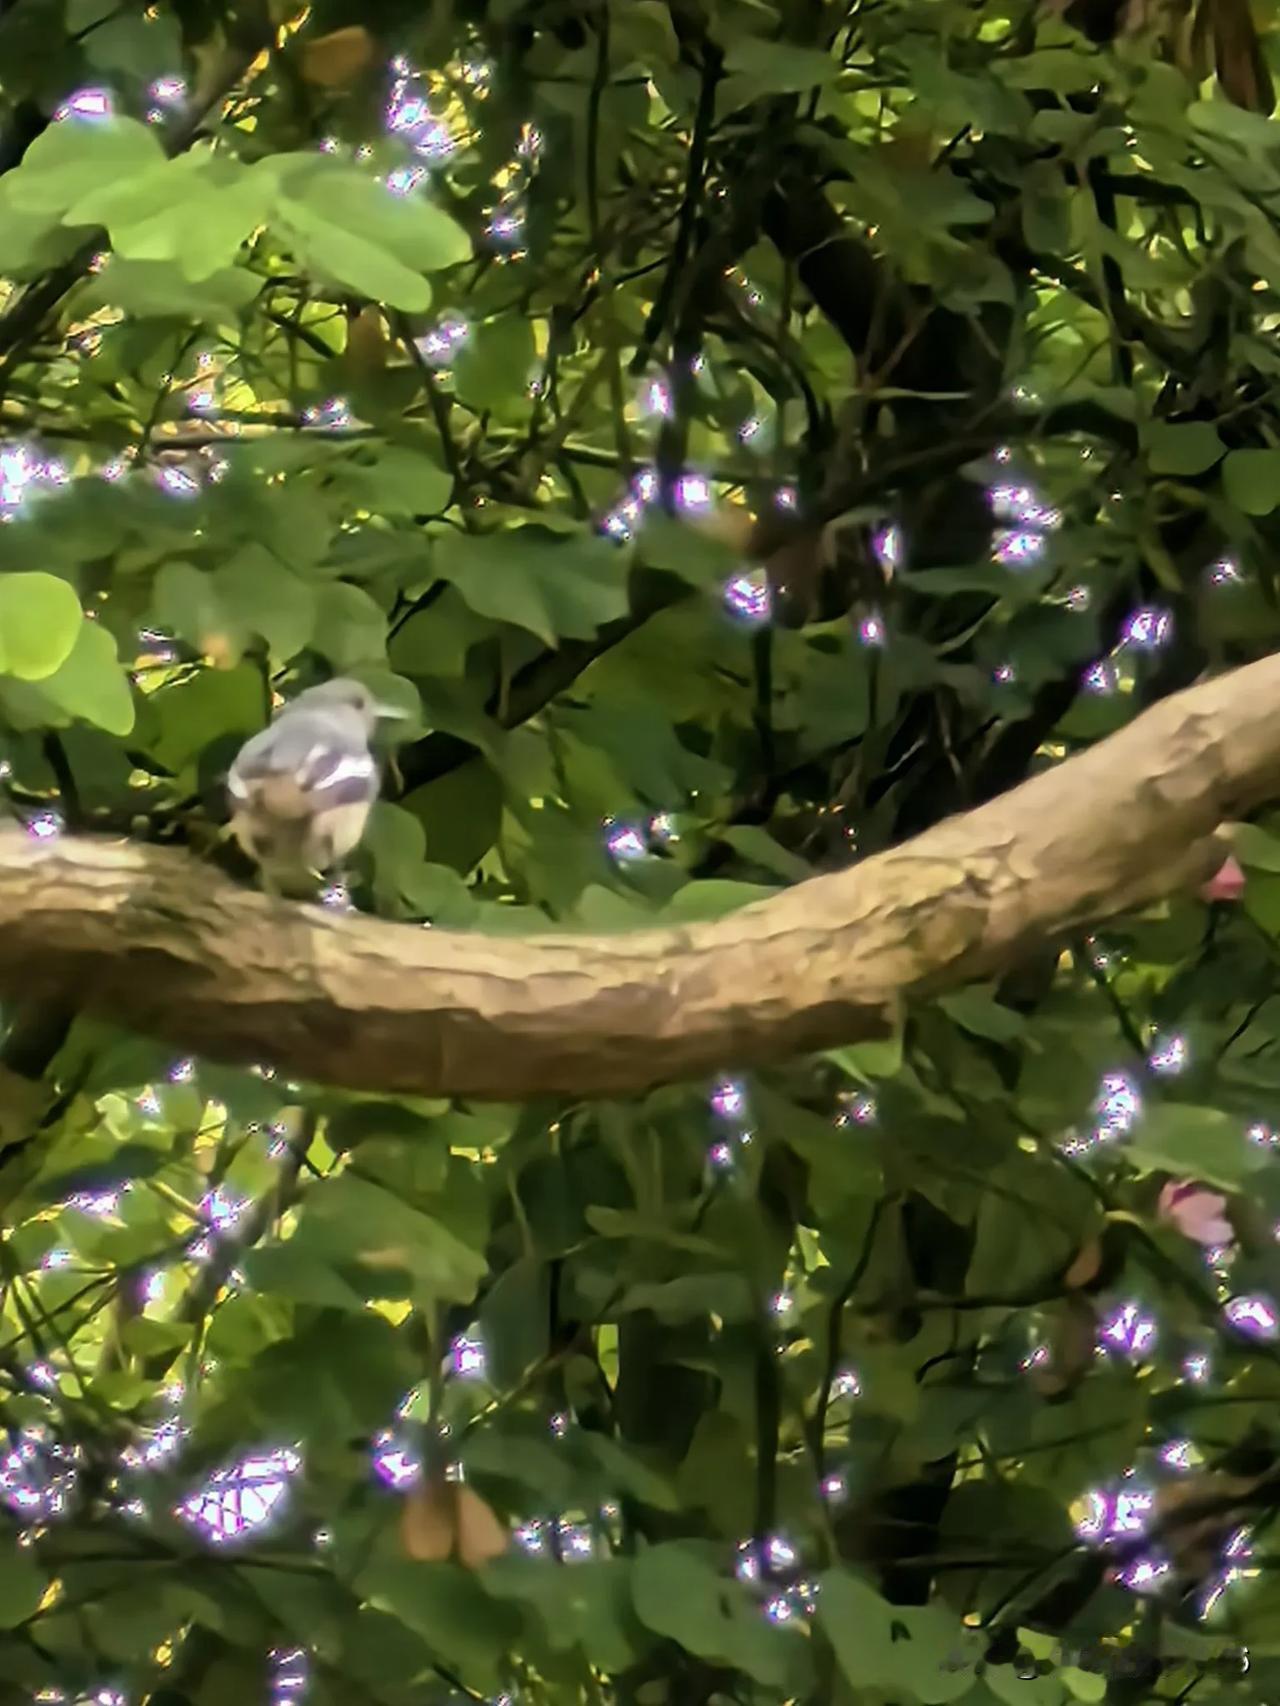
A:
(739, 435)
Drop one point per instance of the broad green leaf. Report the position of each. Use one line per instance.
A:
(1015, 1254)
(1187, 449)
(195, 711)
(397, 844)
(353, 229)
(261, 597)
(340, 256)
(630, 1475)
(349, 627)
(679, 1594)
(159, 290)
(450, 1610)
(40, 621)
(558, 586)
(32, 240)
(22, 1585)
(1251, 480)
(394, 480)
(409, 227)
(1196, 1142)
(1085, 1685)
(693, 1296)
(531, 1459)
(195, 210)
(693, 553)
(714, 898)
(493, 368)
(778, 66)
(976, 1011)
(77, 155)
(90, 682)
(1256, 848)
(363, 1228)
(581, 1606)
(301, 1275)
(145, 46)
(185, 603)
(921, 1651)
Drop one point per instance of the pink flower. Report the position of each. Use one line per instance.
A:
(1226, 884)
(1199, 1214)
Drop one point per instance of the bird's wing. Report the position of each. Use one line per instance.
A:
(333, 772)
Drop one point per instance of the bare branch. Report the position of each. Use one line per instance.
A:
(142, 936)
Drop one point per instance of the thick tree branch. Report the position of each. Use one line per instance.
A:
(139, 935)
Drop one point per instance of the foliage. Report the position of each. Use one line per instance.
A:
(625, 387)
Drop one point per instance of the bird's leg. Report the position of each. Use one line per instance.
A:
(337, 889)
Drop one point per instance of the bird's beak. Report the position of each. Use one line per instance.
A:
(391, 713)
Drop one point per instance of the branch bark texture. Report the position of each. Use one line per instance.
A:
(145, 937)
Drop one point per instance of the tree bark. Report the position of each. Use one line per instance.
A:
(145, 937)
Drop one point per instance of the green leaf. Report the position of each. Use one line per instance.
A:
(159, 290)
(493, 368)
(1017, 1253)
(1198, 1143)
(679, 1594)
(195, 711)
(1256, 848)
(352, 229)
(517, 1453)
(77, 155)
(40, 621)
(397, 844)
(779, 66)
(1251, 480)
(692, 1296)
(196, 210)
(1084, 1684)
(350, 629)
(22, 1585)
(1187, 449)
(395, 480)
(32, 241)
(630, 1474)
(462, 813)
(259, 596)
(336, 255)
(296, 1273)
(409, 227)
(920, 1651)
(878, 1058)
(713, 898)
(587, 1606)
(975, 1010)
(694, 554)
(185, 604)
(556, 585)
(143, 46)
(91, 683)
(447, 1606)
(368, 1231)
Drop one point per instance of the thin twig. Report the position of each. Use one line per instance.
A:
(702, 122)
(439, 407)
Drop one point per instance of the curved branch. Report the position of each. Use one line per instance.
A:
(138, 935)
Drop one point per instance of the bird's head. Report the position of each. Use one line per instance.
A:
(345, 694)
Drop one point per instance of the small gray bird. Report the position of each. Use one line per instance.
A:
(301, 791)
